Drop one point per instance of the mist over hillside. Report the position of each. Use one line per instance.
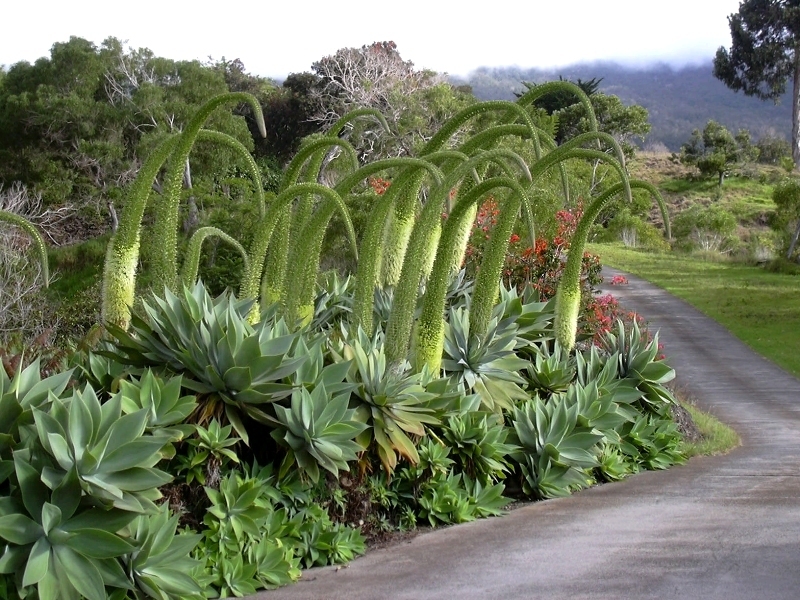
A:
(678, 99)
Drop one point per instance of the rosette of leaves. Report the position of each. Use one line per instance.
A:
(534, 319)
(637, 360)
(557, 453)
(652, 442)
(318, 431)
(108, 452)
(596, 411)
(209, 451)
(477, 442)
(319, 542)
(458, 499)
(601, 370)
(160, 566)
(487, 365)
(247, 544)
(166, 408)
(614, 464)
(313, 371)
(393, 403)
(18, 397)
(103, 373)
(334, 301)
(54, 542)
(550, 372)
(236, 367)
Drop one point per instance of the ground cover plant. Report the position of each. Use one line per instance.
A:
(758, 306)
(213, 445)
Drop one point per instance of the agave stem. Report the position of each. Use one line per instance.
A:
(539, 91)
(122, 254)
(487, 138)
(38, 240)
(516, 110)
(371, 242)
(277, 257)
(289, 224)
(191, 263)
(165, 266)
(568, 295)
(223, 139)
(662, 207)
(401, 320)
(402, 223)
(430, 328)
(358, 113)
(305, 255)
(487, 284)
(311, 150)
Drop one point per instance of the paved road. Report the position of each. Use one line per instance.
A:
(717, 528)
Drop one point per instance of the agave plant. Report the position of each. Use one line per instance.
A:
(235, 366)
(393, 403)
(53, 542)
(166, 408)
(18, 397)
(557, 453)
(550, 371)
(478, 442)
(637, 361)
(160, 565)
(486, 365)
(318, 431)
(107, 451)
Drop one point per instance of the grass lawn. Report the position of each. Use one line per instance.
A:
(760, 308)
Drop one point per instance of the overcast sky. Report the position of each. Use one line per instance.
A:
(277, 37)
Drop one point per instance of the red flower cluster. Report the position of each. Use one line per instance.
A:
(619, 280)
(379, 185)
(539, 266)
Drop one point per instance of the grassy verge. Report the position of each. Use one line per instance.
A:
(716, 437)
(760, 308)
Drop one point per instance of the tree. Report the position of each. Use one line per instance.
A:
(764, 56)
(716, 151)
(414, 103)
(73, 126)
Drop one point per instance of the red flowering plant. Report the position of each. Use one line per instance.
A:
(542, 264)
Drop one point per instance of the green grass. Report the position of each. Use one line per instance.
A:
(760, 308)
(717, 438)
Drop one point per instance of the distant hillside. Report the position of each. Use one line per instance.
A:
(678, 100)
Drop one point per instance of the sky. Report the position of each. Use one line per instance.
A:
(276, 37)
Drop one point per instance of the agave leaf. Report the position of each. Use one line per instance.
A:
(98, 543)
(19, 529)
(81, 572)
(34, 492)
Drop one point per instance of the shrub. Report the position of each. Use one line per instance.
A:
(709, 229)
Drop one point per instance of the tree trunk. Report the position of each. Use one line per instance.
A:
(794, 242)
(796, 109)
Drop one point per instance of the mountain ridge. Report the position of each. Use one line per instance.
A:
(678, 99)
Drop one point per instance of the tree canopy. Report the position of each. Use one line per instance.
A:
(716, 150)
(763, 55)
